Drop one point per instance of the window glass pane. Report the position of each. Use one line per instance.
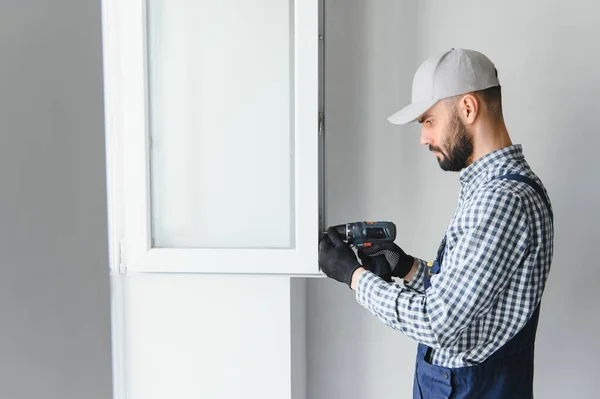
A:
(221, 123)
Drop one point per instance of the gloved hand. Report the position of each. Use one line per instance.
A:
(336, 259)
(386, 260)
(376, 264)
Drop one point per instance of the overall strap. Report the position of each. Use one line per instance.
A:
(532, 184)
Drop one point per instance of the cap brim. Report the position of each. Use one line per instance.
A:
(411, 112)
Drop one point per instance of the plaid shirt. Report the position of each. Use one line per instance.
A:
(498, 251)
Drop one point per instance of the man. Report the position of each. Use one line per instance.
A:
(474, 310)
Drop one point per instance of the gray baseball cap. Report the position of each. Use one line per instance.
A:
(454, 72)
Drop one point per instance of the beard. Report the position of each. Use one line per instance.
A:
(458, 148)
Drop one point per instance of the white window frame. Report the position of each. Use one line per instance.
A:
(127, 138)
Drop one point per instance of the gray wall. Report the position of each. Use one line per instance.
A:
(54, 286)
(545, 53)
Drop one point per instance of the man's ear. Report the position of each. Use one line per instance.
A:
(468, 108)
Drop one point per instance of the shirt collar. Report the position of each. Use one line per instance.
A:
(472, 172)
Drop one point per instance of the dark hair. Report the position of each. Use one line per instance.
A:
(492, 97)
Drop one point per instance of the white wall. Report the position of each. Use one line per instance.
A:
(548, 66)
(54, 286)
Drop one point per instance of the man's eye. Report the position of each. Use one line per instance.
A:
(429, 122)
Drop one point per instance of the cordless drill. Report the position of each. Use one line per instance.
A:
(366, 234)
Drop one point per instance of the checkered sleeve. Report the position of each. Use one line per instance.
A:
(418, 280)
(493, 244)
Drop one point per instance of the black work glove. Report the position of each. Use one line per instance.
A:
(386, 260)
(336, 259)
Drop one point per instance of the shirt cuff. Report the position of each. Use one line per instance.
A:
(417, 283)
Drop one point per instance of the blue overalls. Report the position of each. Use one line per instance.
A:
(506, 374)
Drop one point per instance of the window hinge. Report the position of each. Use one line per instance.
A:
(122, 265)
(321, 122)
